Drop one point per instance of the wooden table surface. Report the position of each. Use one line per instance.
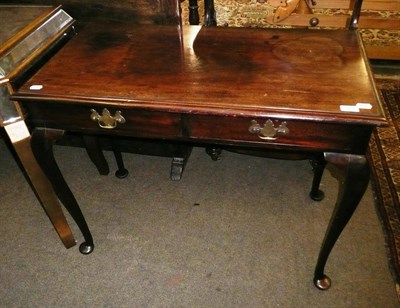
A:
(304, 74)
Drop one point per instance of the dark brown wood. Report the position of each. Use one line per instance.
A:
(354, 182)
(318, 163)
(121, 172)
(95, 153)
(292, 90)
(296, 74)
(355, 16)
(210, 17)
(194, 18)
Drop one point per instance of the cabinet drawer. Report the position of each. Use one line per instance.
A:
(257, 131)
(306, 135)
(137, 122)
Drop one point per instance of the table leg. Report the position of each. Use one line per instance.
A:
(42, 146)
(318, 164)
(352, 186)
(21, 141)
(122, 172)
(96, 154)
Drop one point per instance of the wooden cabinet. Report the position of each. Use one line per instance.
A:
(379, 22)
(380, 28)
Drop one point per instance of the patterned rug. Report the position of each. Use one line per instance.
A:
(384, 157)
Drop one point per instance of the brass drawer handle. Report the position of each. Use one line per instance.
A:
(106, 120)
(268, 131)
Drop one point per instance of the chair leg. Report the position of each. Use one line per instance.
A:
(96, 154)
(318, 164)
(214, 153)
(181, 156)
(121, 173)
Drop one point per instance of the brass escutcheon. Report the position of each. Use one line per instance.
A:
(268, 131)
(106, 120)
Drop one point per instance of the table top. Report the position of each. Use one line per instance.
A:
(320, 75)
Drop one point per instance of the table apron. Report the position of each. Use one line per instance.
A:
(145, 123)
(307, 135)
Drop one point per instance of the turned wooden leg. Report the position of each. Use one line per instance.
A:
(318, 164)
(21, 141)
(96, 154)
(42, 146)
(214, 153)
(210, 19)
(353, 183)
(193, 12)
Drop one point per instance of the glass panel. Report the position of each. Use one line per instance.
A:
(8, 112)
(32, 42)
(14, 18)
(13, 21)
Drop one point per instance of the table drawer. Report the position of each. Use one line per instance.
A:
(137, 122)
(277, 133)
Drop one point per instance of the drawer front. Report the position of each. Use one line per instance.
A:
(255, 132)
(277, 133)
(94, 119)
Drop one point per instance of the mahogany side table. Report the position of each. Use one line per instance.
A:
(291, 90)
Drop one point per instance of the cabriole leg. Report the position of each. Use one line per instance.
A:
(353, 183)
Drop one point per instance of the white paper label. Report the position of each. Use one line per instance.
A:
(356, 107)
(36, 87)
(349, 108)
(364, 105)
